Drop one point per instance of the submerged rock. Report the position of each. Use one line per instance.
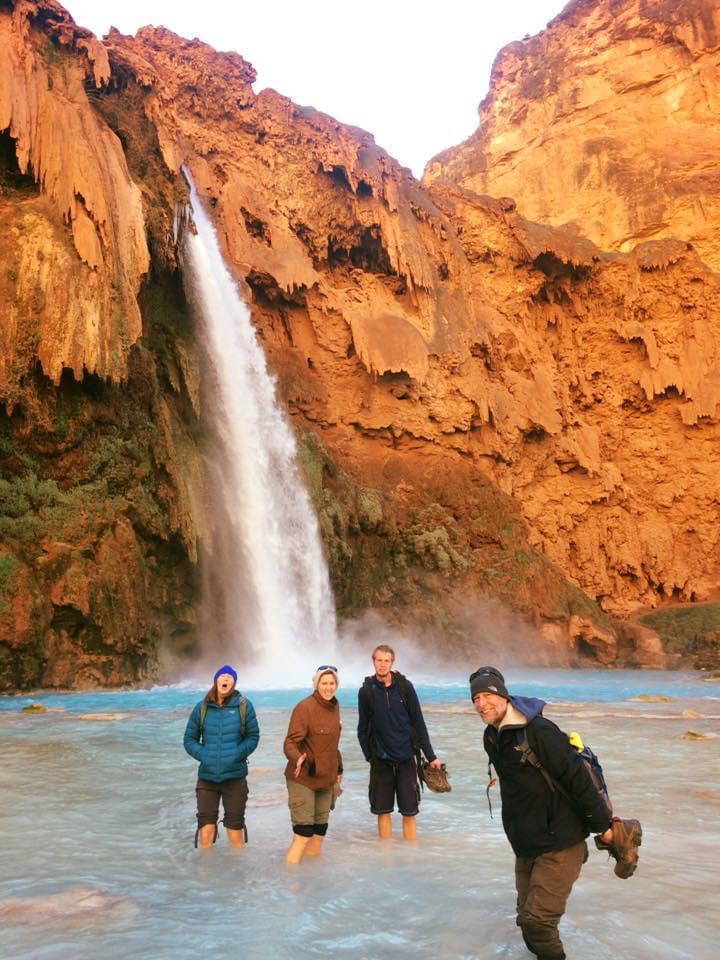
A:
(77, 902)
(651, 698)
(101, 717)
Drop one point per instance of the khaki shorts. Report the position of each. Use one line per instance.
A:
(308, 807)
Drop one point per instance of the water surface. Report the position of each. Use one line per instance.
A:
(98, 819)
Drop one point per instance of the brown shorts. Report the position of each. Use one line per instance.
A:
(233, 793)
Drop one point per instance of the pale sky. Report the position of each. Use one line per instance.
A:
(412, 73)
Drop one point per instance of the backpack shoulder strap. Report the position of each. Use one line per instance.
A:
(203, 714)
(525, 746)
(365, 692)
(401, 681)
(242, 710)
(402, 685)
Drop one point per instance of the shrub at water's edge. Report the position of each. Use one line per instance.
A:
(691, 634)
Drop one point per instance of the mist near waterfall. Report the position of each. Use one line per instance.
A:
(267, 601)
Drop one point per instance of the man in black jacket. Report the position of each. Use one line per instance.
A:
(391, 731)
(546, 826)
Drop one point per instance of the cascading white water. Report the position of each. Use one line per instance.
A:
(273, 606)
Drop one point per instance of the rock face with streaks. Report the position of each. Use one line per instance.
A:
(80, 207)
(607, 121)
(509, 434)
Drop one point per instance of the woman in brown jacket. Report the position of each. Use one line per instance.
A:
(314, 765)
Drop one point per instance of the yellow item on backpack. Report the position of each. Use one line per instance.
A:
(576, 741)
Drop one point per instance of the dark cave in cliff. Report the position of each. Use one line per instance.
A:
(12, 180)
(364, 251)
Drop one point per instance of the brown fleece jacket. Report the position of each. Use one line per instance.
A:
(314, 729)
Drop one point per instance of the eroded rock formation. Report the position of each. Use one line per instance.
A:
(494, 414)
(607, 121)
(85, 313)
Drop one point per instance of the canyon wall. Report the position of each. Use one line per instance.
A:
(509, 434)
(606, 122)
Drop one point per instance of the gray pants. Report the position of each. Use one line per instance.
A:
(543, 886)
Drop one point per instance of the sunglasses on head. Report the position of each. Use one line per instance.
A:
(478, 673)
(328, 666)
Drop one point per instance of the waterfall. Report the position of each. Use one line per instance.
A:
(268, 603)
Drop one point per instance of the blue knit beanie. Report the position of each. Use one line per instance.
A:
(225, 669)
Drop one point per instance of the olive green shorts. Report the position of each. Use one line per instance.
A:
(308, 806)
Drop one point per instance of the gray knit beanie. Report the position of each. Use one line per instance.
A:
(488, 680)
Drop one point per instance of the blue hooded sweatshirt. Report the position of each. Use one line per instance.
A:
(385, 723)
(222, 754)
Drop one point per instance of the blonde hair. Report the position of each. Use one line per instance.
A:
(383, 648)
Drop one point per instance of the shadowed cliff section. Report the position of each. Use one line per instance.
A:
(492, 411)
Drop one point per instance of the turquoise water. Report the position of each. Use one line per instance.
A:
(572, 685)
(97, 822)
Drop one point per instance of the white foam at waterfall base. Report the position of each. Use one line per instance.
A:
(270, 606)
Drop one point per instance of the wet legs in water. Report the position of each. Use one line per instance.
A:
(385, 827)
(206, 836)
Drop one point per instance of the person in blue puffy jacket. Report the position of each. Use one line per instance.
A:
(221, 734)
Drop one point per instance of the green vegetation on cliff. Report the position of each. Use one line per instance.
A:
(8, 566)
(461, 541)
(97, 543)
(693, 633)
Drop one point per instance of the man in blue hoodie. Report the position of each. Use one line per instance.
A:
(546, 827)
(391, 731)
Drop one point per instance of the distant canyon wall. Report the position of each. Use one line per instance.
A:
(494, 415)
(607, 122)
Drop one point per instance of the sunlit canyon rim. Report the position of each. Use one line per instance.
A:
(502, 385)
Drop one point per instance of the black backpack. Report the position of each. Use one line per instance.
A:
(589, 758)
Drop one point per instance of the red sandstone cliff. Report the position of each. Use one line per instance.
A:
(607, 121)
(486, 405)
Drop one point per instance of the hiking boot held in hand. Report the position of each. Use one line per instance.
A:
(626, 838)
